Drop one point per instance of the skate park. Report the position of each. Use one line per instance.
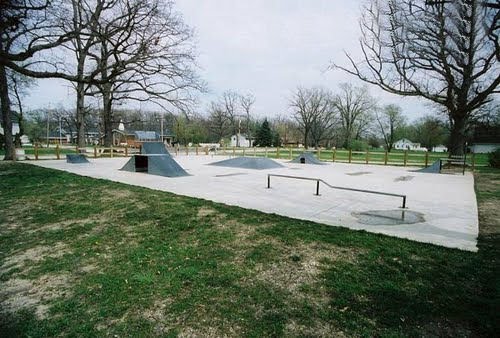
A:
(438, 209)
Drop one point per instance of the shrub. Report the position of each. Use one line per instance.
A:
(494, 158)
(358, 145)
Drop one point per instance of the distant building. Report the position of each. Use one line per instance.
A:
(137, 137)
(440, 149)
(15, 131)
(241, 140)
(482, 148)
(405, 144)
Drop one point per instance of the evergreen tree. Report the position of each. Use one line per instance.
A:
(264, 136)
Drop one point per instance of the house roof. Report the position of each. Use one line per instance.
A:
(166, 132)
(404, 140)
(146, 135)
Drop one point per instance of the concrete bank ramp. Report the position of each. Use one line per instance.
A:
(76, 158)
(434, 168)
(258, 163)
(154, 148)
(155, 164)
(307, 158)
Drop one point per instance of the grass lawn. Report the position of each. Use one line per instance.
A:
(87, 257)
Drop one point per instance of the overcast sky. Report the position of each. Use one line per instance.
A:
(264, 47)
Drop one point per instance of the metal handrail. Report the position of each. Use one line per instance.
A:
(318, 180)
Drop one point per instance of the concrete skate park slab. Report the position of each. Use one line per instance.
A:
(445, 205)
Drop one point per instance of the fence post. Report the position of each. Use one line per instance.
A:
(277, 152)
(224, 149)
(187, 150)
(254, 152)
(111, 152)
(243, 151)
(367, 157)
(206, 150)
(473, 161)
(290, 152)
(196, 150)
(386, 157)
(350, 155)
(266, 151)
(319, 154)
(234, 151)
(333, 154)
(95, 151)
(126, 150)
(36, 151)
(58, 155)
(426, 159)
(405, 159)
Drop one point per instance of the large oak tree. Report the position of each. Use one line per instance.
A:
(446, 52)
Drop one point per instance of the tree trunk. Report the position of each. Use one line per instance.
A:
(457, 135)
(107, 117)
(6, 117)
(80, 114)
(306, 136)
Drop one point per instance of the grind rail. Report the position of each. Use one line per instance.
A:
(319, 180)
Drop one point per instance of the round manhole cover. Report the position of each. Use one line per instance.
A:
(389, 217)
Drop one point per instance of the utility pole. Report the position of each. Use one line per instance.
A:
(161, 128)
(60, 132)
(48, 116)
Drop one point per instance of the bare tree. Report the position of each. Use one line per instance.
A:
(310, 106)
(354, 106)
(144, 54)
(18, 88)
(229, 102)
(446, 52)
(86, 16)
(247, 101)
(28, 29)
(218, 121)
(390, 120)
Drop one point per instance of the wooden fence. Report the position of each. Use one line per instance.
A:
(398, 158)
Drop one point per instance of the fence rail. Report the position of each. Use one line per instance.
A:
(396, 158)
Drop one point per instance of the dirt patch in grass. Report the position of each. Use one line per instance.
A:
(20, 294)
(300, 265)
(204, 211)
(319, 329)
(65, 224)
(489, 217)
(489, 213)
(113, 195)
(36, 254)
(197, 323)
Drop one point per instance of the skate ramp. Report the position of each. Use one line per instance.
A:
(257, 163)
(155, 164)
(307, 158)
(76, 158)
(149, 148)
(434, 168)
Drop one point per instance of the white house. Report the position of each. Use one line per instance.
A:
(482, 148)
(15, 128)
(241, 141)
(15, 131)
(405, 144)
(440, 149)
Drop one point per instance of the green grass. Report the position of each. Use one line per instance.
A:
(129, 261)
